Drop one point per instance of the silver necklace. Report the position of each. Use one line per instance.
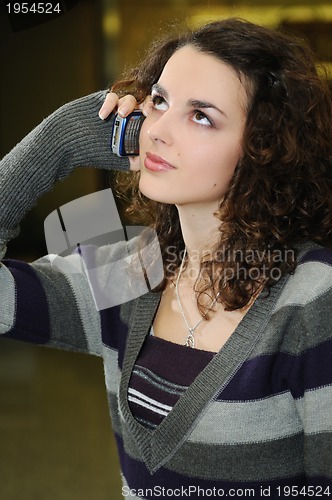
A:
(190, 340)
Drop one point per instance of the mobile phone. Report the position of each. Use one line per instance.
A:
(125, 134)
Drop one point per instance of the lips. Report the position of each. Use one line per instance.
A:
(157, 163)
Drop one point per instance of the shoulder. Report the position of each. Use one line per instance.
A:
(311, 280)
(304, 305)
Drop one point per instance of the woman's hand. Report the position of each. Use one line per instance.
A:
(124, 106)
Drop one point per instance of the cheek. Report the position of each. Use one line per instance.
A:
(217, 163)
(216, 168)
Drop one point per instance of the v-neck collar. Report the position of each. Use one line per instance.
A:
(158, 445)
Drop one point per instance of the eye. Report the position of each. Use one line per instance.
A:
(159, 102)
(201, 118)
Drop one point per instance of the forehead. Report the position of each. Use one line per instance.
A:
(200, 75)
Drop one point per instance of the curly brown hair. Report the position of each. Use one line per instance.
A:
(281, 192)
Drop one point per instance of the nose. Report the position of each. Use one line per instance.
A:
(162, 128)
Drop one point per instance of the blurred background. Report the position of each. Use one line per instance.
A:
(55, 433)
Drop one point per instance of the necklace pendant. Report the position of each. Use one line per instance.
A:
(190, 341)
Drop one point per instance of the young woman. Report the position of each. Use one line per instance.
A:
(219, 380)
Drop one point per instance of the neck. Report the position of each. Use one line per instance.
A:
(200, 231)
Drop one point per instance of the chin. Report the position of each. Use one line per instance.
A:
(154, 193)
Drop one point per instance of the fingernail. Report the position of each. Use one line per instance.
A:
(123, 111)
(102, 114)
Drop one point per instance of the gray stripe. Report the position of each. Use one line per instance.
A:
(111, 370)
(72, 267)
(159, 382)
(65, 323)
(233, 462)
(297, 323)
(247, 462)
(310, 280)
(269, 419)
(115, 415)
(126, 312)
(315, 410)
(296, 310)
(8, 300)
(130, 445)
(254, 462)
(88, 312)
(317, 449)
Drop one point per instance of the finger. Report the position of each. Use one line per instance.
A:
(134, 163)
(146, 105)
(127, 104)
(110, 103)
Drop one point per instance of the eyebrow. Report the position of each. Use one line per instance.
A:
(194, 103)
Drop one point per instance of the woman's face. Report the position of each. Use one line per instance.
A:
(190, 143)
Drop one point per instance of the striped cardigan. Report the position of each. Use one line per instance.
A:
(257, 420)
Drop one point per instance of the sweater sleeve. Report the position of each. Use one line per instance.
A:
(44, 305)
(313, 369)
(72, 302)
(72, 136)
